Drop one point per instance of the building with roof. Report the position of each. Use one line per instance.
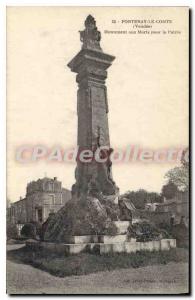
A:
(43, 196)
(177, 207)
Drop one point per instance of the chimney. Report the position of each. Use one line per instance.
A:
(55, 178)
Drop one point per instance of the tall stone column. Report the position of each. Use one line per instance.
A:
(94, 204)
(91, 65)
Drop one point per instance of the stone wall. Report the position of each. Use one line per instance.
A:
(103, 248)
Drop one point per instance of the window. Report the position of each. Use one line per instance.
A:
(49, 199)
(39, 214)
(50, 186)
(52, 201)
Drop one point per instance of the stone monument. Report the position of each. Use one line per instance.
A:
(91, 65)
(93, 220)
(93, 209)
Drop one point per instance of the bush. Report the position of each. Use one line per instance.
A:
(146, 231)
(38, 227)
(169, 190)
(11, 230)
(29, 230)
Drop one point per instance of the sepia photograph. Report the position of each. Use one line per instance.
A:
(98, 193)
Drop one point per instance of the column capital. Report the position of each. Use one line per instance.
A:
(88, 57)
(91, 65)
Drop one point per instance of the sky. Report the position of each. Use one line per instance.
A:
(147, 89)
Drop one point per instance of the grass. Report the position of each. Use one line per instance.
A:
(85, 263)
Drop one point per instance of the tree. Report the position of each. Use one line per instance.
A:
(138, 198)
(180, 175)
(154, 197)
(11, 230)
(185, 158)
(141, 197)
(29, 230)
(169, 190)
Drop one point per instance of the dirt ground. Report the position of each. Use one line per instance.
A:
(159, 279)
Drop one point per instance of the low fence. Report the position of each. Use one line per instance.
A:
(103, 248)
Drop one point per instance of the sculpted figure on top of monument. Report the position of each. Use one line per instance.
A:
(90, 36)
